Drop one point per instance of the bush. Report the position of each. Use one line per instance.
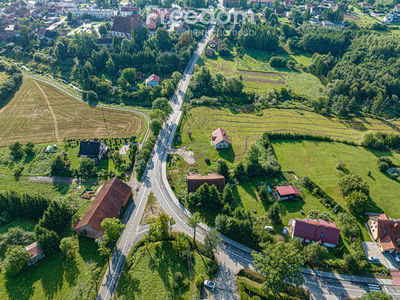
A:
(341, 165)
(278, 62)
(383, 166)
(178, 277)
(199, 282)
(213, 268)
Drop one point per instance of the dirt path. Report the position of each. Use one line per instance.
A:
(51, 112)
(64, 180)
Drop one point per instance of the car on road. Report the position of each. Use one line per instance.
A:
(284, 231)
(210, 284)
(373, 259)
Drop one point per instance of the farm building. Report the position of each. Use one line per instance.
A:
(153, 80)
(194, 181)
(324, 232)
(35, 253)
(286, 192)
(219, 139)
(385, 231)
(109, 203)
(92, 149)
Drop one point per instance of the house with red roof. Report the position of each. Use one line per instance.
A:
(152, 21)
(153, 80)
(365, 5)
(214, 41)
(385, 232)
(286, 192)
(108, 203)
(309, 231)
(35, 253)
(219, 139)
(194, 181)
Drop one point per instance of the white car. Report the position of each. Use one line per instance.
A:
(373, 259)
(210, 284)
(397, 259)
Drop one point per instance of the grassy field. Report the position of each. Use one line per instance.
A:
(361, 20)
(244, 129)
(40, 113)
(318, 159)
(3, 76)
(151, 275)
(259, 76)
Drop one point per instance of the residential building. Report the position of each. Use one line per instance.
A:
(209, 52)
(35, 253)
(290, 2)
(219, 139)
(396, 9)
(214, 41)
(385, 232)
(122, 27)
(314, 22)
(391, 18)
(92, 149)
(309, 231)
(365, 5)
(329, 24)
(153, 80)
(152, 21)
(286, 192)
(127, 11)
(194, 181)
(109, 203)
(318, 10)
(231, 3)
(280, 11)
(50, 35)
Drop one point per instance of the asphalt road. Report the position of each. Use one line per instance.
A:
(152, 181)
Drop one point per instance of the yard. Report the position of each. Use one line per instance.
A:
(54, 277)
(259, 76)
(40, 113)
(314, 159)
(151, 275)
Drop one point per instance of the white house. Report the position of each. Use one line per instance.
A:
(95, 13)
(219, 139)
(153, 80)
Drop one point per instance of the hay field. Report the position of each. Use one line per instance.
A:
(40, 113)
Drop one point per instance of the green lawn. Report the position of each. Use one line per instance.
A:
(151, 274)
(318, 159)
(3, 76)
(259, 76)
(54, 277)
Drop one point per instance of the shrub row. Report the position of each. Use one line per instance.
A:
(9, 85)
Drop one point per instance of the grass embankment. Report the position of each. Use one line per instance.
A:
(258, 75)
(41, 113)
(250, 282)
(151, 273)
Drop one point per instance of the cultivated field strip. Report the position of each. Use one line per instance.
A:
(27, 117)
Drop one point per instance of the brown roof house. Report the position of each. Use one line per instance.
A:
(324, 232)
(219, 139)
(194, 181)
(286, 192)
(209, 51)
(108, 203)
(35, 253)
(214, 41)
(123, 26)
(385, 231)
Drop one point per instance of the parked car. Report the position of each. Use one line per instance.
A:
(210, 284)
(373, 259)
(397, 259)
(270, 228)
(284, 231)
